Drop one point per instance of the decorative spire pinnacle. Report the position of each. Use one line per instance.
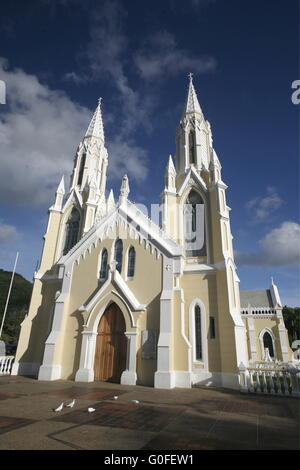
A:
(110, 201)
(95, 128)
(59, 195)
(124, 190)
(61, 186)
(170, 167)
(192, 104)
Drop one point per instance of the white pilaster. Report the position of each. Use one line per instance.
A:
(85, 372)
(164, 376)
(129, 376)
(251, 332)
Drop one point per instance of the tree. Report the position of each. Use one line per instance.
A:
(17, 307)
(291, 318)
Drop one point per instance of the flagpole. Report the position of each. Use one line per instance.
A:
(8, 295)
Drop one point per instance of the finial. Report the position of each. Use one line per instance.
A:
(124, 190)
(272, 280)
(95, 128)
(190, 75)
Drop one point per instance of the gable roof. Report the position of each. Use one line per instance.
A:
(256, 298)
(128, 213)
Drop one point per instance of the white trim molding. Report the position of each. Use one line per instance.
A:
(129, 376)
(204, 330)
(261, 340)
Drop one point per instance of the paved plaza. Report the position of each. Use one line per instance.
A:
(178, 419)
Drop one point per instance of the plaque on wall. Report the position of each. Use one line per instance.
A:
(149, 344)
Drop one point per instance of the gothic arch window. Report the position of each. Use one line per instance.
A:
(103, 269)
(194, 227)
(81, 169)
(192, 147)
(118, 254)
(268, 343)
(131, 262)
(72, 231)
(198, 334)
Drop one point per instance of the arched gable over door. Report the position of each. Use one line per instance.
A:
(111, 345)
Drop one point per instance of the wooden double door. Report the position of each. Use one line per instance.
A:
(111, 346)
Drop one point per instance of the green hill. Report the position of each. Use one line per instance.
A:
(18, 304)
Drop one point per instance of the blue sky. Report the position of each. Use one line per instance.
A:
(58, 57)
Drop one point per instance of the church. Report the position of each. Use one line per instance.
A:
(120, 297)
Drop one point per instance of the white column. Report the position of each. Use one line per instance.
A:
(253, 351)
(50, 370)
(283, 340)
(164, 377)
(129, 376)
(85, 372)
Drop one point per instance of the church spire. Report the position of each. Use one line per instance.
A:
(95, 128)
(89, 173)
(192, 104)
(193, 139)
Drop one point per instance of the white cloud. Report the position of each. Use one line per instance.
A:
(280, 247)
(8, 233)
(107, 53)
(126, 157)
(160, 57)
(39, 135)
(261, 208)
(76, 78)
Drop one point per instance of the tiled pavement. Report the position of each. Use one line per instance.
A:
(178, 419)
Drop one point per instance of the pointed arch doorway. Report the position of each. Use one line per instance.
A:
(111, 346)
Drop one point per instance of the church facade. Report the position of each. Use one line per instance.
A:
(119, 298)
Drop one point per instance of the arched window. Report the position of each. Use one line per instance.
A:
(131, 262)
(198, 333)
(194, 225)
(192, 147)
(103, 270)
(72, 231)
(268, 343)
(118, 254)
(81, 169)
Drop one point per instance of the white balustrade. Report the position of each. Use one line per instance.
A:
(6, 364)
(270, 378)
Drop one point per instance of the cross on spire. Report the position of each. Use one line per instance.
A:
(95, 128)
(192, 104)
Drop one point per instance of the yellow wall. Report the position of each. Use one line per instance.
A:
(145, 285)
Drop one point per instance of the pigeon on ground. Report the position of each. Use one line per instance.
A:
(116, 397)
(71, 404)
(90, 410)
(59, 408)
(135, 401)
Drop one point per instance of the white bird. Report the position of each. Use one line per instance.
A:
(71, 404)
(90, 410)
(135, 401)
(59, 408)
(116, 397)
